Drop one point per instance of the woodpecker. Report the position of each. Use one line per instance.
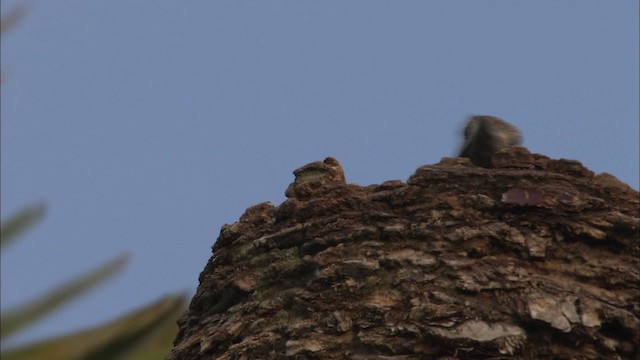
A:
(484, 135)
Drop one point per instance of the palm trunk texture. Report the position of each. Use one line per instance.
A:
(533, 258)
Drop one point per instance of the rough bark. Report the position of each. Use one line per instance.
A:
(532, 259)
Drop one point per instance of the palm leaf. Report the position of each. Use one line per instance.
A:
(19, 223)
(14, 320)
(143, 334)
(12, 18)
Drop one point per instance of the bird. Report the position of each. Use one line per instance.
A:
(484, 135)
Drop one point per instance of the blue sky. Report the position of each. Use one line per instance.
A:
(145, 126)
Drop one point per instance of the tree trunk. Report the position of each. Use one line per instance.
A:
(532, 259)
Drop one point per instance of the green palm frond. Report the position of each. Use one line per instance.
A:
(12, 18)
(144, 334)
(19, 223)
(14, 320)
